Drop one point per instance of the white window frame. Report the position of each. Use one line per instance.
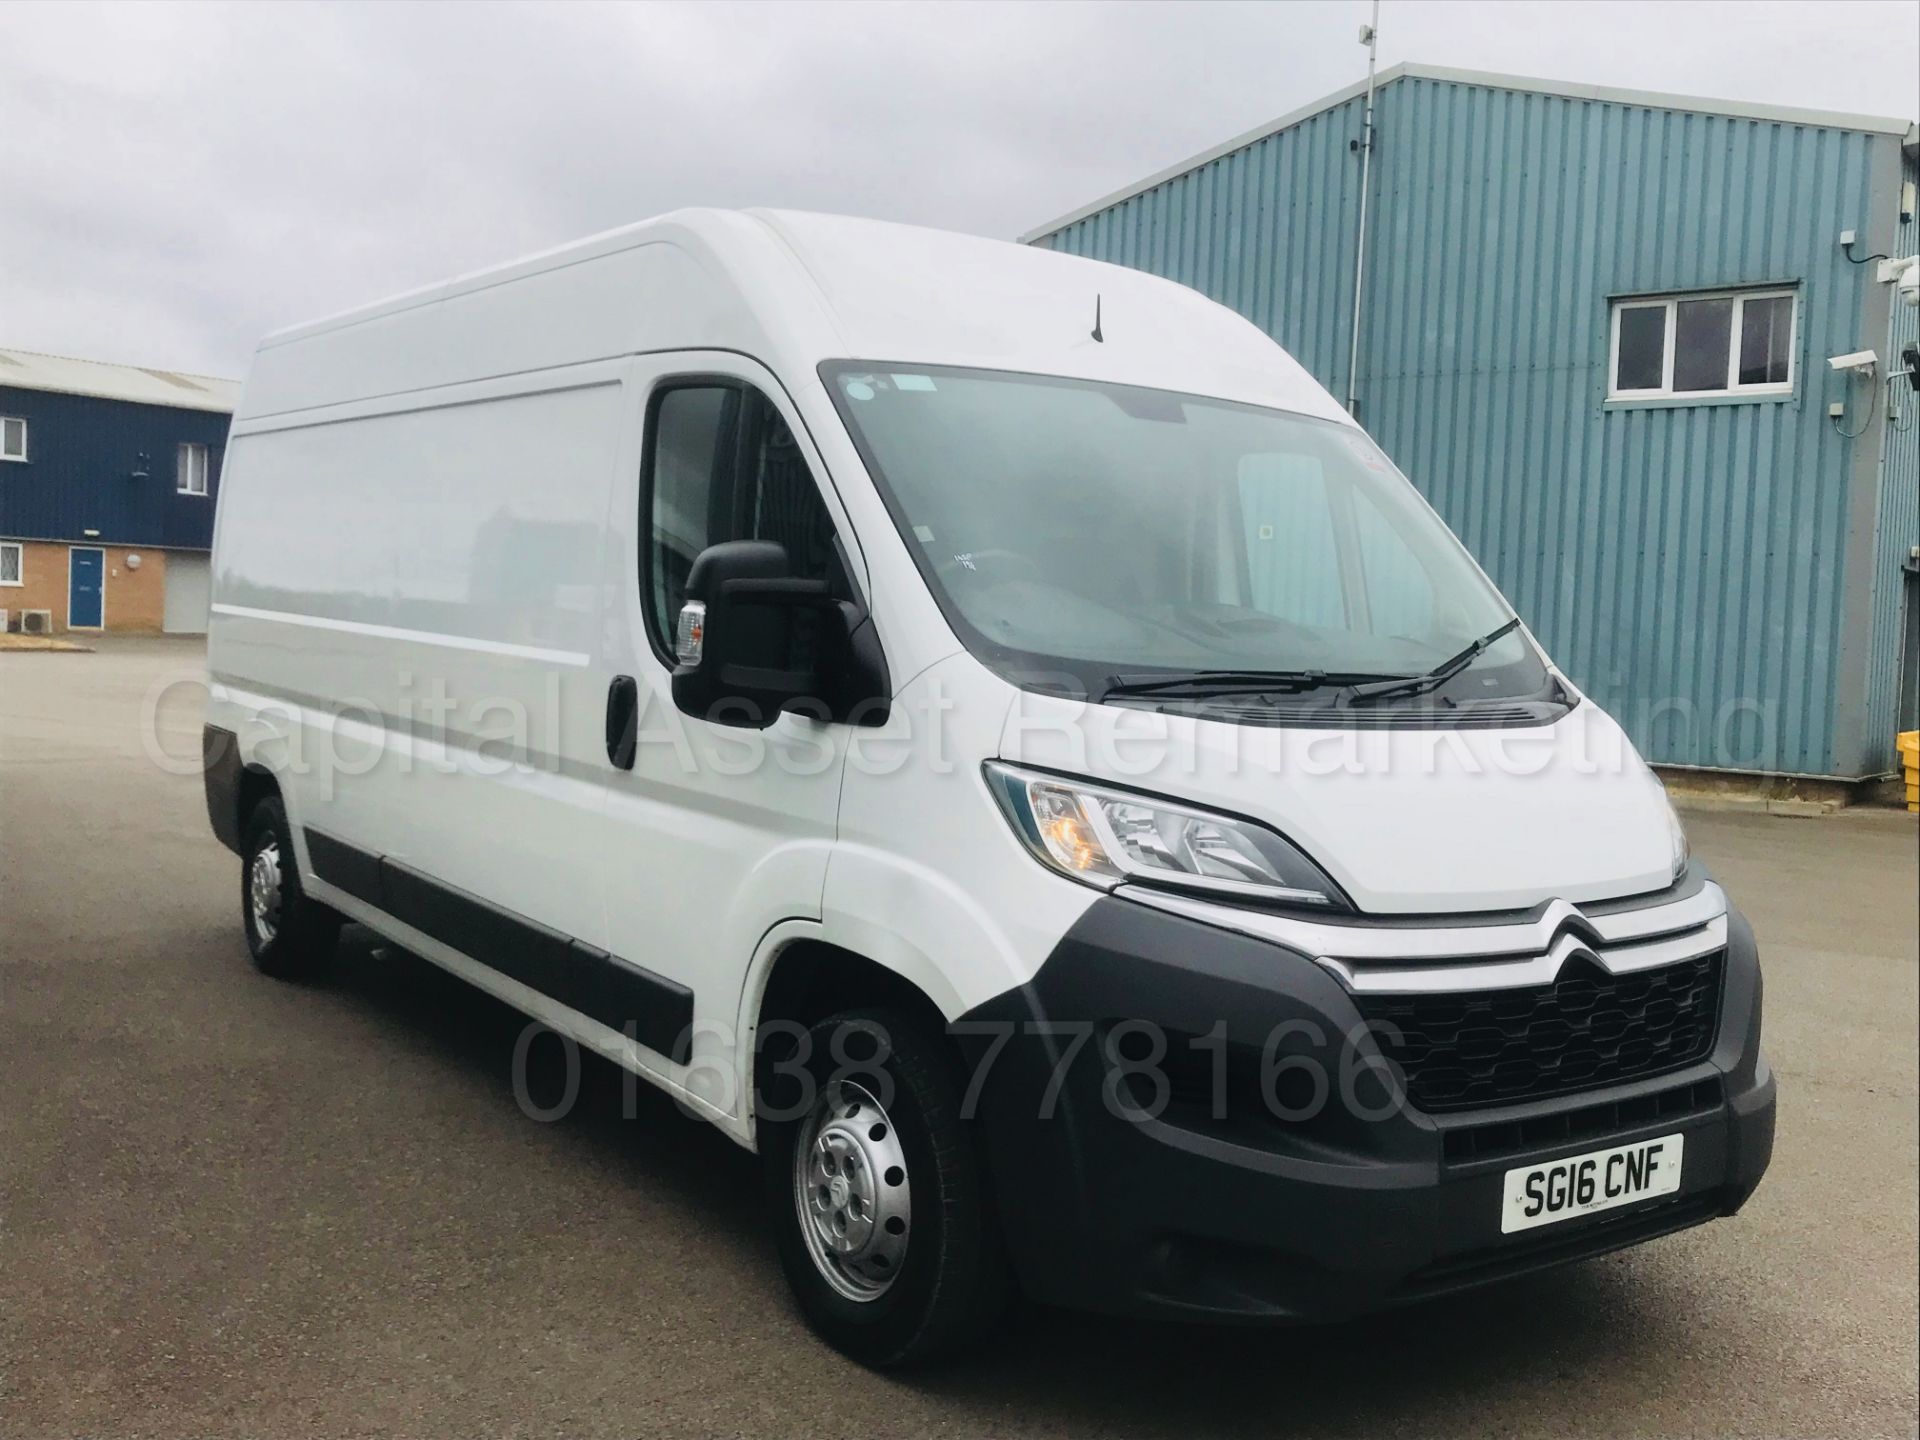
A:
(19, 563)
(183, 468)
(6, 454)
(1733, 390)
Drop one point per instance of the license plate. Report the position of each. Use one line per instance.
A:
(1585, 1184)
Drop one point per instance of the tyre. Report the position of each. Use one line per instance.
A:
(290, 936)
(877, 1194)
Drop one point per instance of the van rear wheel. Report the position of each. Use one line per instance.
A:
(876, 1191)
(290, 936)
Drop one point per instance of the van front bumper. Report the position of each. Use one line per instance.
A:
(1212, 1207)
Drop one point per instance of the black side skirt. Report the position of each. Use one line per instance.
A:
(654, 1010)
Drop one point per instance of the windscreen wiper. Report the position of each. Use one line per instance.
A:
(1195, 683)
(1436, 677)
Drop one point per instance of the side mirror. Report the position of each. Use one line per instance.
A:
(754, 639)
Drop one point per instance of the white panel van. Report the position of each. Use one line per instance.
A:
(987, 731)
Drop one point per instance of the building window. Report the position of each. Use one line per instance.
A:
(191, 470)
(1724, 342)
(12, 562)
(13, 438)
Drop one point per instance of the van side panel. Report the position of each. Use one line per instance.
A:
(406, 600)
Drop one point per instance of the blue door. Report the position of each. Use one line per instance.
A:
(86, 580)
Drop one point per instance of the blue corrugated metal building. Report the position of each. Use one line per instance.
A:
(108, 480)
(1595, 332)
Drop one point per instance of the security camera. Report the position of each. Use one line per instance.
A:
(1860, 361)
(1904, 275)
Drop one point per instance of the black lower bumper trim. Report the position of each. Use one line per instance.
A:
(1232, 1211)
(1627, 1227)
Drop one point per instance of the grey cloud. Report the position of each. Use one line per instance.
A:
(175, 180)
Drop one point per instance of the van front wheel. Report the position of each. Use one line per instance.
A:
(876, 1191)
(290, 936)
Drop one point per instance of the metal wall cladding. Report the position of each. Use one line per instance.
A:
(81, 472)
(1898, 531)
(1686, 564)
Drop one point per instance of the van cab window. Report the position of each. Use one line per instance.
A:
(1076, 531)
(723, 465)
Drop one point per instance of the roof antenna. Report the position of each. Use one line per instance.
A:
(1098, 338)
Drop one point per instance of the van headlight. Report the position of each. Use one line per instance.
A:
(1105, 838)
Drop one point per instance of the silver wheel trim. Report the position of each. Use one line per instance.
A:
(263, 891)
(852, 1192)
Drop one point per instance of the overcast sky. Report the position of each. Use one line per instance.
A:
(176, 180)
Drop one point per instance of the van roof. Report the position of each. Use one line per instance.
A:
(792, 289)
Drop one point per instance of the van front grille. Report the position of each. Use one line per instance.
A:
(1460, 1050)
(1495, 1140)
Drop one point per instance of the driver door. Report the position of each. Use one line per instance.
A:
(716, 833)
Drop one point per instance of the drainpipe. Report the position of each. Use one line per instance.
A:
(1369, 37)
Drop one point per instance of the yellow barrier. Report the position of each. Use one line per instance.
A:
(1908, 744)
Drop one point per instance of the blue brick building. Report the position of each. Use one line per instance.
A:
(1595, 331)
(108, 479)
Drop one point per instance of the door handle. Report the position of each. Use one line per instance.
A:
(623, 721)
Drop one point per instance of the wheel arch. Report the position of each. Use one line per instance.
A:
(809, 978)
(257, 783)
(800, 978)
(234, 785)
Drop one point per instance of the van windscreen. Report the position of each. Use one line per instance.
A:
(1074, 530)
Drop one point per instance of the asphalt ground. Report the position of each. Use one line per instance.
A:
(231, 1206)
